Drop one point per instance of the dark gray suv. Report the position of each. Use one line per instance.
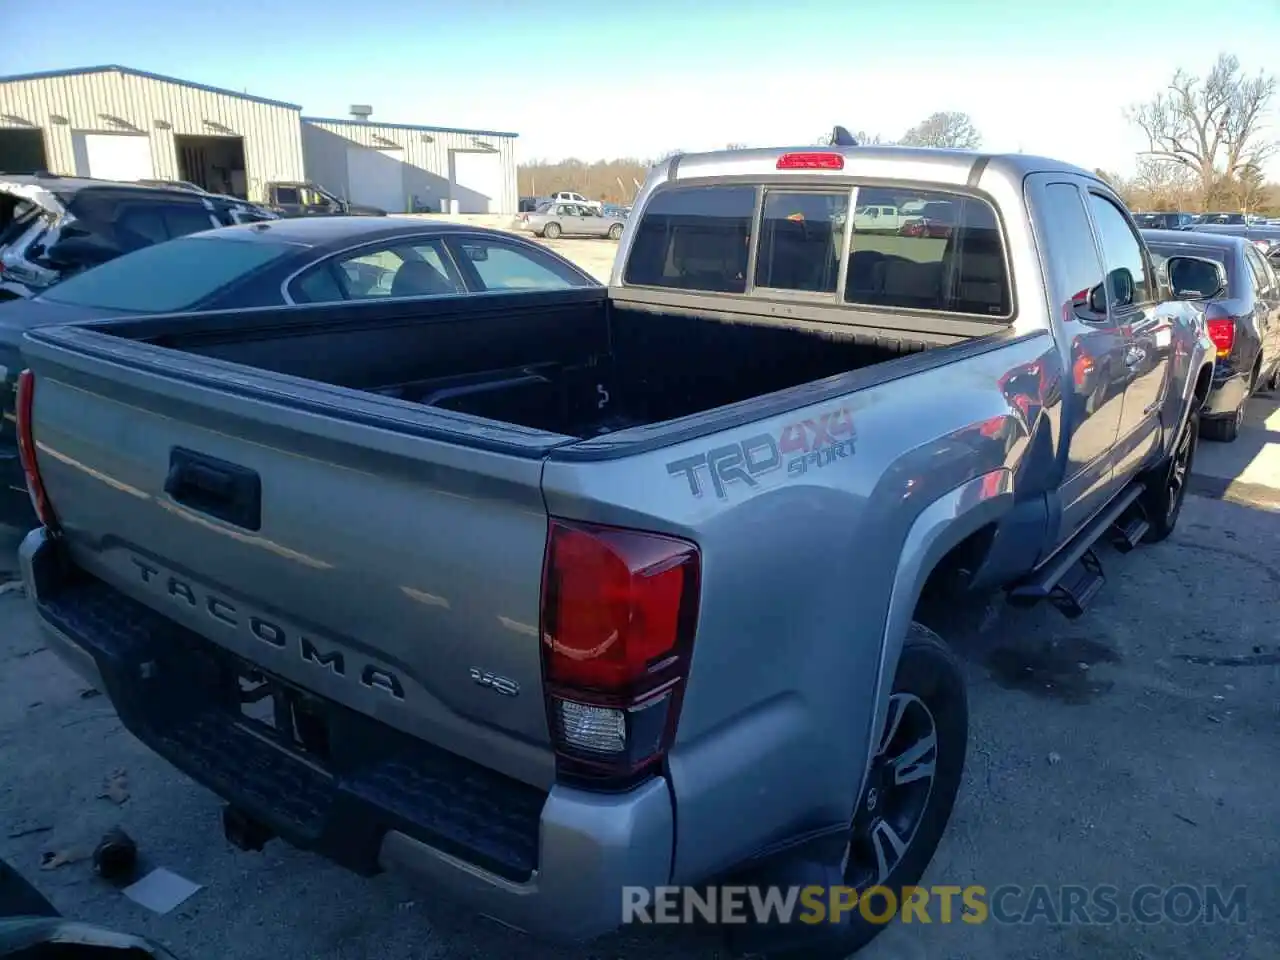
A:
(52, 227)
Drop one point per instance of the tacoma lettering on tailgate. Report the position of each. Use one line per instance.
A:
(321, 656)
(799, 446)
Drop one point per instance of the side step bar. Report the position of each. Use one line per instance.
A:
(1072, 577)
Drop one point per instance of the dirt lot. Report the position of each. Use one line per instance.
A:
(1135, 746)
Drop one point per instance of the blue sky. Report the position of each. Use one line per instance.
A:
(643, 78)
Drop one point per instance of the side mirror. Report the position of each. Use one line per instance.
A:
(1120, 281)
(1098, 300)
(476, 253)
(1196, 278)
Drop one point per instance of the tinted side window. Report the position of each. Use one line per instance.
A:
(187, 218)
(1262, 276)
(287, 195)
(694, 238)
(1073, 255)
(140, 226)
(495, 266)
(946, 255)
(1127, 283)
(399, 270)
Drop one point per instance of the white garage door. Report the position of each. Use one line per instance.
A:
(113, 156)
(478, 182)
(376, 178)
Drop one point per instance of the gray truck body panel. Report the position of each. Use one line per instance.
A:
(411, 541)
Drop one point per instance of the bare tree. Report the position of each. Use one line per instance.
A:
(735, 146)
(1212, 126)
(1251, 188)
(947, 128)
(1163, 184)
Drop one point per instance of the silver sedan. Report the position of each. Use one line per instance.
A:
(553, 220)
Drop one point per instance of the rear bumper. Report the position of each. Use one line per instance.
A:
(1226, 395)
(550, 863)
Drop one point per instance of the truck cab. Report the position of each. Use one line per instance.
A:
(299, 198)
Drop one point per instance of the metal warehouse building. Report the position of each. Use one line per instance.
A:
(116, 123)
(387, 165)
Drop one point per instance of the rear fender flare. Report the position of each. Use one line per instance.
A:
(939, 528)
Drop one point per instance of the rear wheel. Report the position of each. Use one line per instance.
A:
(911, 787)
(551, 231)
(1167, 483)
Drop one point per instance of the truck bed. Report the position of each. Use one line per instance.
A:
(351, 498)
(575, 364)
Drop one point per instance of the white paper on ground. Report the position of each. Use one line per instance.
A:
(161, 890)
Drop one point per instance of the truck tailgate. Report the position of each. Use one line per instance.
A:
(395, 574)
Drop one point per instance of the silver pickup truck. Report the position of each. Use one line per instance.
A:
(543, 595)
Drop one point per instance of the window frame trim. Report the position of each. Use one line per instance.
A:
(331, 260)
(1152, 281)
(516, 245)
(822, 184)
(834, 298)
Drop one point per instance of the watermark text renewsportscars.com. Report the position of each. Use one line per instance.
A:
(1063, 904)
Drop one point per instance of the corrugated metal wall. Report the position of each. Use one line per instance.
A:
(426, 157)
(62, 105)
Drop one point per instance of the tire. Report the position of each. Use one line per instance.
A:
(615, 232)
(1226, 429)
(551, 231)
(1167, 483)
(929, 693)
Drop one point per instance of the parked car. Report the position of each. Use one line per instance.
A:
(175, 184)
(878, 218)
(300, 198)
(53, 227)
(568, 196)
(1221, 219)
(290, 261)
(571, 220)
(533, 578)
(1164, 221)
(1265, 238)
(934, 221)
(1241, 297)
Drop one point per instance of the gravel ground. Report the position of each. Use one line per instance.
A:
(1134, 746)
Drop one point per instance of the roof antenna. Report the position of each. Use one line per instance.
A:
(840, 137)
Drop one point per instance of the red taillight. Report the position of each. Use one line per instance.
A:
(811, 161)
(27, 451)
(1222, 331)
(619, 609)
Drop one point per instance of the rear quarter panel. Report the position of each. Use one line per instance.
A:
(808, 523)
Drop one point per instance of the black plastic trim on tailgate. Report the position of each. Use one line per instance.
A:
(168, 685)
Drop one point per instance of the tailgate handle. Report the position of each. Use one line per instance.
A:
(215, 487)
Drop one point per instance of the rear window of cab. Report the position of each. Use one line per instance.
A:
(909, 248)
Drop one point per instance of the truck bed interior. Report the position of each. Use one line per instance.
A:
(576, 364)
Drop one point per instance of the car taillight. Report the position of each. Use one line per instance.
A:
(619, 610)
(27, 451)
(1222, 331)
(811, 161)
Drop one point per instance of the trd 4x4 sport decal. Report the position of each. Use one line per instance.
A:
(799, 446)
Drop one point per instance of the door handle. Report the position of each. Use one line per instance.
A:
(215, 487)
